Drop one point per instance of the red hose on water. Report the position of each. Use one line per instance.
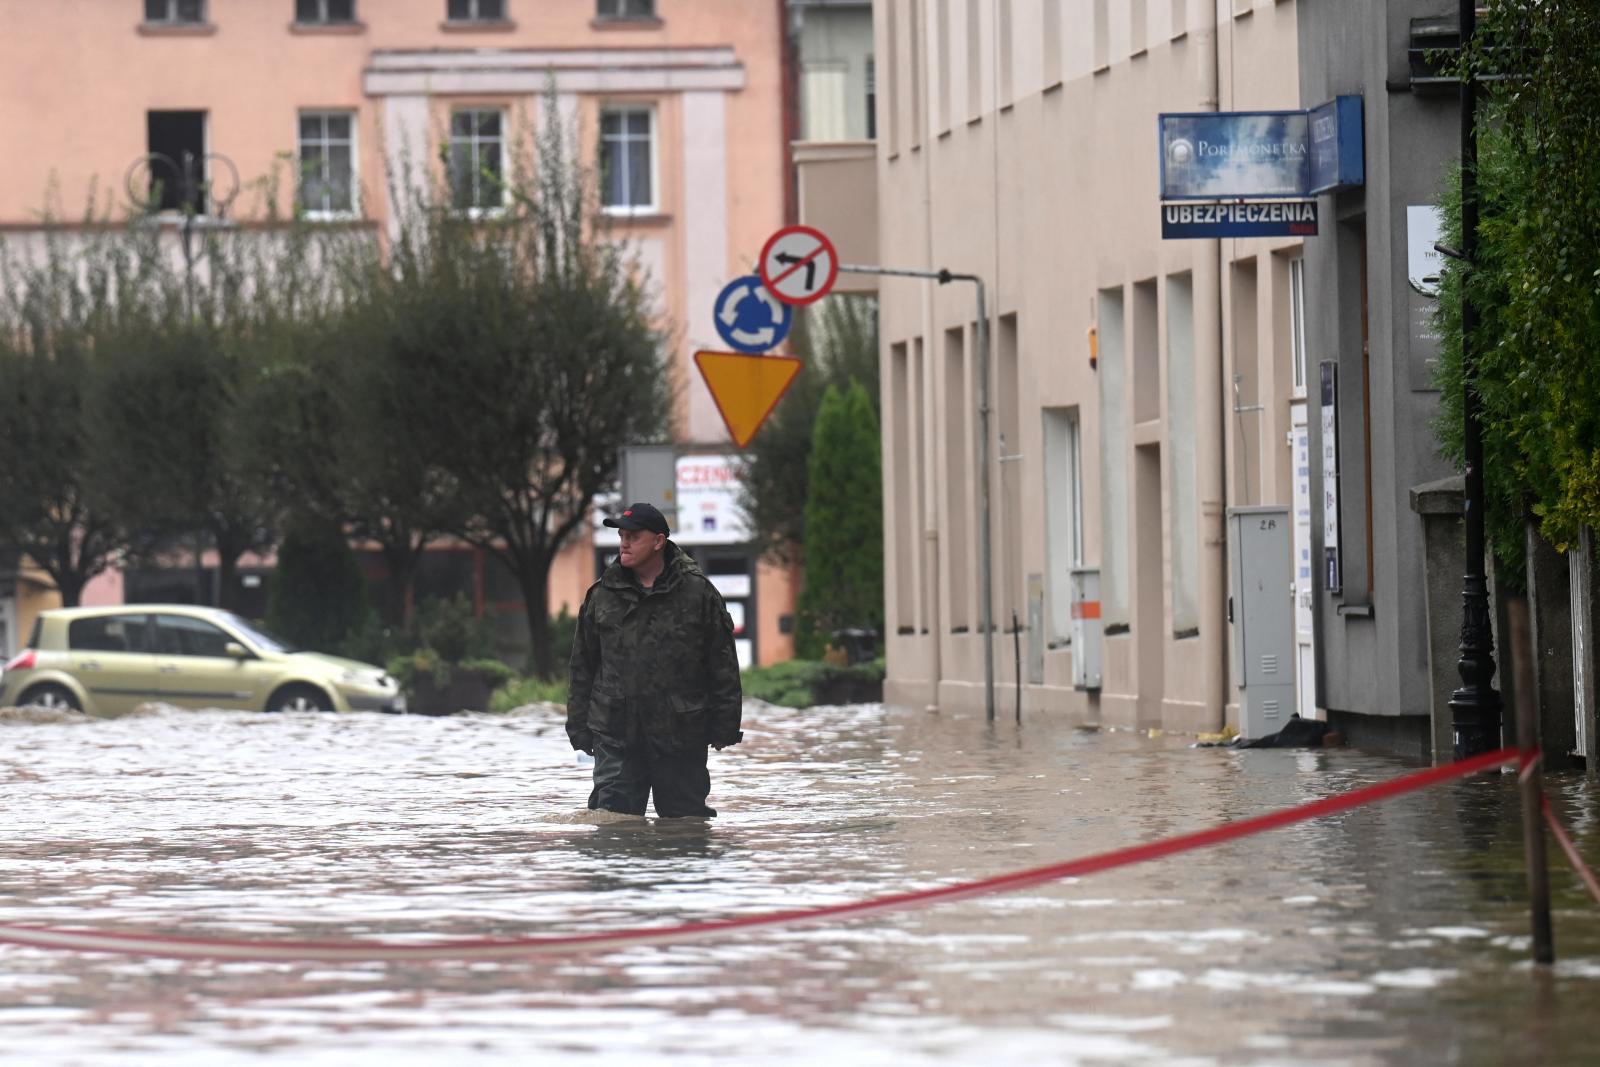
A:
(504, 948)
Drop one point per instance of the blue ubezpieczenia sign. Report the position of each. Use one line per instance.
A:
(1276, 218)
(1209, 155)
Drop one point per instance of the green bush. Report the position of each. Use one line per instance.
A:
(448, 626)
(844, 523)
(801, 683)
(563, 628)
(522, 691)
(317, 597)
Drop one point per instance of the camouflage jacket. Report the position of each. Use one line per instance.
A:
(654, 665)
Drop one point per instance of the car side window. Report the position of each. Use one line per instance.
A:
(109, 633)
(183, 636)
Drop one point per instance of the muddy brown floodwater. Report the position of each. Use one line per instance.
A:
(1394, 934)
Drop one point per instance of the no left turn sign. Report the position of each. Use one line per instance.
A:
(799, 265)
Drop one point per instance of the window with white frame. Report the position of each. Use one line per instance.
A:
(322, 12)
(1297, 323)
(477, 158)
(175, 12)
(625, 9)
(327, 162)
(1063, 501)
(627, 160)
(475, 10)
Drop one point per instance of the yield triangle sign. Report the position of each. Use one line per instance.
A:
(746, 388)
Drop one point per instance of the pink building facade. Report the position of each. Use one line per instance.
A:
(686, 97)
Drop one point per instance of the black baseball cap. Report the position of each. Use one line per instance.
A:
(640, 517)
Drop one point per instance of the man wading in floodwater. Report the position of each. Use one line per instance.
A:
(654, 675)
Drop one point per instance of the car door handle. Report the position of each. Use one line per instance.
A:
(170, 670)
(89, 665)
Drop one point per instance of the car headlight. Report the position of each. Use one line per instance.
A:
(364, 678)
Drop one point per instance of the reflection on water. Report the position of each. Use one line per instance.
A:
(1390, 934)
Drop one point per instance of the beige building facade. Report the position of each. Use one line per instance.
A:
(685, 99)
(1138, 387)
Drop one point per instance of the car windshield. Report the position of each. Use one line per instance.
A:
(258, 637)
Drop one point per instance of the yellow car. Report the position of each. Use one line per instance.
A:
(109, 660)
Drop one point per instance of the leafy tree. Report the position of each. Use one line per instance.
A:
(838, 339)
(534, 333)
(1536, 280)
(317, 595)
(58, 316)
(383, 468)
(843, 522)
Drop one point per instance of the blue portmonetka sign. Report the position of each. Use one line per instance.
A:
(1254, 155)
(1274, 218)
(1209, 155)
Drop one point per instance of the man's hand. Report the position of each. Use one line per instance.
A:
(722, 741)
(585, 743)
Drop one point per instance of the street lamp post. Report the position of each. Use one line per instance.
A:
(192, 178)
(1475, 706)
(196, 179)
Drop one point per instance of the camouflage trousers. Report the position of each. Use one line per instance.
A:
(625, 778)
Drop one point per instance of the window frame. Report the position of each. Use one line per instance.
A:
(323, 18)
(477, 15)
(651, 141)
(163, 621)
(476, 210)
(327, 214)
(171, 18)
(140, 619)
(600, 15)
(1297, 327)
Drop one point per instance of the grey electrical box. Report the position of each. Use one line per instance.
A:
(1261, 609)
(650, 476)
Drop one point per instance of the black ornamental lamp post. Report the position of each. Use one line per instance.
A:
(192, 184)
(1475, 706)
(200, 187)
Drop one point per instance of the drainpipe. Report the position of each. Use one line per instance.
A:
(933, 368)
(1211, 394)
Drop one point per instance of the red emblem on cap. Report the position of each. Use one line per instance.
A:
(625, 514)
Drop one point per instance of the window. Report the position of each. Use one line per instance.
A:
(1063, 496)
(327, 162)
(175, 12)
(1183, 503)
(1297, 323)
(176, 141)
(476, 10)
(625, 9)
(626, 160)
(477, 158)
(323, 11)
(109, 633)
(825, 86)
(179, 635)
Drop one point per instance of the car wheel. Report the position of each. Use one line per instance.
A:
(299, 698)
(50, 696)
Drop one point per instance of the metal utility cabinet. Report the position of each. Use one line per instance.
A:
(1261, 609)
(1084, 591)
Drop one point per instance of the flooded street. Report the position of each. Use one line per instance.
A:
(1393, 934)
